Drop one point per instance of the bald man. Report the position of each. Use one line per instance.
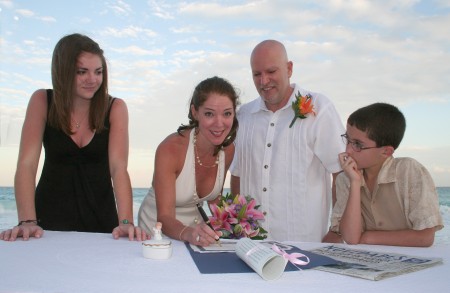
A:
(288, 170)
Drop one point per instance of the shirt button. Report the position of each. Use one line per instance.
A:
(264, 189)
(269, 144)
(266, 166)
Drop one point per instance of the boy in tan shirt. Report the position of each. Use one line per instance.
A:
(381, 199)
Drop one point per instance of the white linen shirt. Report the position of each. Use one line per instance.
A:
(288, 170)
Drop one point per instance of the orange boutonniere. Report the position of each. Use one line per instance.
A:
(302, 106)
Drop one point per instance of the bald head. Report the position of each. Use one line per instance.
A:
(271, 72)
(273, 46)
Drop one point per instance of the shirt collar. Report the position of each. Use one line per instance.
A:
(387, 172)
(261, 106)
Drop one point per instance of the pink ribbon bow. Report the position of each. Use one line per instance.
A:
(293, 258)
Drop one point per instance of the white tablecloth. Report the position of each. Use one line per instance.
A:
(90, 262)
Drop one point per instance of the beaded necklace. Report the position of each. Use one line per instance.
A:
(197, 156)
(196, 198)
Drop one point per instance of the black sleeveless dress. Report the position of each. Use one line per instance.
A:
(75, 190)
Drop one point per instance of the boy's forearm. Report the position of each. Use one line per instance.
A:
(408, 237)
(351, 224)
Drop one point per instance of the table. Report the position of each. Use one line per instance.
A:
(94, 262)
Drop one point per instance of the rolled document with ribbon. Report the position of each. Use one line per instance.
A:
(293, 258)
(263, 260)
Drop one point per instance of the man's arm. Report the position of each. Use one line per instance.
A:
(333, 188)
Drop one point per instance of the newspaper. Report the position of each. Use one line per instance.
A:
(372, 265)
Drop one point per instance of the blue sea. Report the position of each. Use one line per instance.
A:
(8, 212)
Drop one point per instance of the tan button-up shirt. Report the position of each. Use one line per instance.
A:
(404, 198)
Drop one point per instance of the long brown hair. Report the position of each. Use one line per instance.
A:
(64, 67)
(201, 92)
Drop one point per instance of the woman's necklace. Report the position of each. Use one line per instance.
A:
(78, 123)
(197, 156)
(219, 176)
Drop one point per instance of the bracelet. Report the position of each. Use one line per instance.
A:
(125, 221)
(182, 230)
(27, 221)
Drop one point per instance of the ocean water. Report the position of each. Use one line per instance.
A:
(8, 212)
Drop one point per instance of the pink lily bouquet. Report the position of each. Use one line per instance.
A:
(237, 217)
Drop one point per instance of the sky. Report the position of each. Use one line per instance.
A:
(355, 52)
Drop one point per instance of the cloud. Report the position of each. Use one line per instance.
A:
(251, 32)
(25, 12)
(6, 3)
(187, 53)
(141, 166)
(31, 14)
(189, 29)
(443, 3)
(11, 120)
(130, 31)
(435, 159)
(355, 52)
(47, 18)
(84, 20)
(161, 9)
(120, 8)
(213, 10)
(17, 88)
(138, 51)
(13, 94)
(24, 51)
(29, 42)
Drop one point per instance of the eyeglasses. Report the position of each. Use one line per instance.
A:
(356, 145)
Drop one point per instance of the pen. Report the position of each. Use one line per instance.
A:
(206, 219)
